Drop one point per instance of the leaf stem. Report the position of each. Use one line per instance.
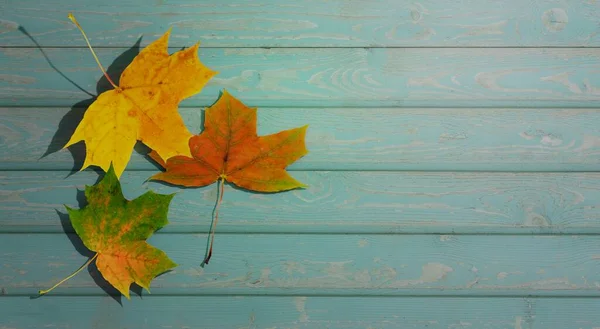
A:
(72, 18)
(43, 292)
(221, 187)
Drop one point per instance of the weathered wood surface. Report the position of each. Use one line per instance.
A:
(313, 23)
(325, 77)
(280, 312)
(327, 264)
(356, 138)
(453, 169)
(337, 202)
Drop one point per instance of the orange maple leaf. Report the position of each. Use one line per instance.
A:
(229, 149)
(144, 106)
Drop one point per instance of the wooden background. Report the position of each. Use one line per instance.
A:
(453, 166)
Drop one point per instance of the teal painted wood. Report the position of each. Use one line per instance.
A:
(357, 138)
(301, 312)
(379, 239)
(337, 203)
(329, 264)
(314, 23)
(326, 77)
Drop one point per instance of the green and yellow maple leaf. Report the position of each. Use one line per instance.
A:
(117, 229)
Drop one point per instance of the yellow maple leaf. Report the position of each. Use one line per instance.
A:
(144, 107)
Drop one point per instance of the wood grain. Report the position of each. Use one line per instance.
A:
(324, 264)
(453, 170)
(329, 77)
(311, 23)
(337, 202)
(356, 138)
(309, 312)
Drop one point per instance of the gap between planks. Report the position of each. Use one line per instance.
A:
(323, 292)
(316, 47)
(318, 170)
(243, 230)
(354, 107)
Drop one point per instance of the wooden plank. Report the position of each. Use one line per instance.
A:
(322, 264)
(337, 202)
(356, 138)
(300, 312)
(312, 23)
(330, 77)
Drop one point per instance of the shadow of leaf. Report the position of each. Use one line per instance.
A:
(24, 31)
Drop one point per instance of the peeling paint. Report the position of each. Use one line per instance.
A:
(534, 219)
(193, 271)
(301, 307)
(8, 26)
(253, 24)
(590, 88)
(547, 284)
(17, 79)
(504, 275)
(363, 277)
(551, 140)
(433, 272)
(489, 80)
(555, 19)
(496, 28)
(526, 135)
(589, 142)
(518, 322)
(291, 267)
(264, 276)
(563, 78)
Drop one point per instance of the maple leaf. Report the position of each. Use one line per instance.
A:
(144, 106)
(229, 149)
(117, 229)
